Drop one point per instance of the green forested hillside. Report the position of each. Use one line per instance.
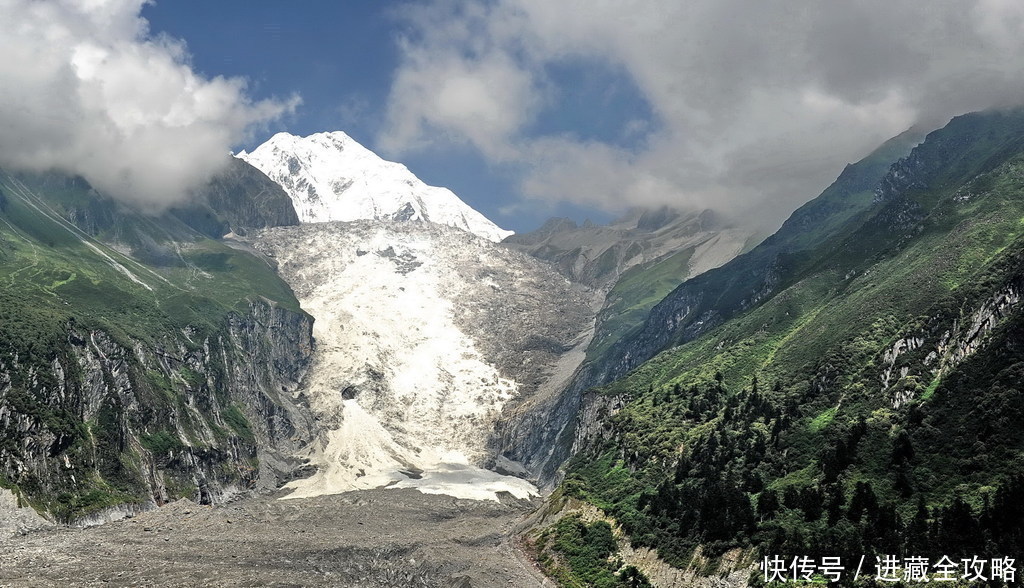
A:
(868, 402)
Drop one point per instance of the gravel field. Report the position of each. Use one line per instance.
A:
(384, 537)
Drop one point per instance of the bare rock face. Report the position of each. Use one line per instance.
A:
(17, 518)
(233, 425)
(246, 198)
(426, 336)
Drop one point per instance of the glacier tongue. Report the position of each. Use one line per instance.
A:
(331, 177)
(406, 396)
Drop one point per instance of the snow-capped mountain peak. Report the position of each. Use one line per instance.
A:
(331, 177)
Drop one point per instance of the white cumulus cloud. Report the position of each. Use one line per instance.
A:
(757, 104)
(86, 89)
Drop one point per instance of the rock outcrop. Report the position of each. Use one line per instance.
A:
(202, 415)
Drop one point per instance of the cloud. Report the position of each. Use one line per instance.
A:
(484, 100)
(756, 104)
(460, 77)
(86, 89)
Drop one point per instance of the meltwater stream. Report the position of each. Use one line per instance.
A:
(406, 398)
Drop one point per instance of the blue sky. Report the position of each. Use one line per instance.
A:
(340, 58)
(525, 108)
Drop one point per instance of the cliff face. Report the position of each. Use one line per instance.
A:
(248, 199)
(916, 362)
(535, 438)
(140, 361)
(201, 415)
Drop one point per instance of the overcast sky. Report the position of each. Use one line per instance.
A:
(525, 108)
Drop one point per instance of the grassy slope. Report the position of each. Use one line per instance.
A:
(718, 294)
(637, 291)
(816, 348)
(634, 294)
(57, 266)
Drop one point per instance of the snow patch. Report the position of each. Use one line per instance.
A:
(465, 481)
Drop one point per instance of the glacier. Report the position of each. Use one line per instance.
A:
(425, 335)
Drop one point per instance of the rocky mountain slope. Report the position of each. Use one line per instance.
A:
(140, 359)
(331, 177)
(245, 199)
(632, 264)
(598, 255)
(635, 261)
(426, 336)
(705, 302)
(848, 387)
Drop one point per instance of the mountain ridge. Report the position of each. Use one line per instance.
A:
(141, 358)
(331, 177)
(704, 302)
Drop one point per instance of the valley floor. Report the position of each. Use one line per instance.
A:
(367, 538)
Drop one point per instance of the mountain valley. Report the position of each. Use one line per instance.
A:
(322, 361)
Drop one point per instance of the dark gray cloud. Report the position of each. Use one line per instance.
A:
(84, 88)
(760, 103)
